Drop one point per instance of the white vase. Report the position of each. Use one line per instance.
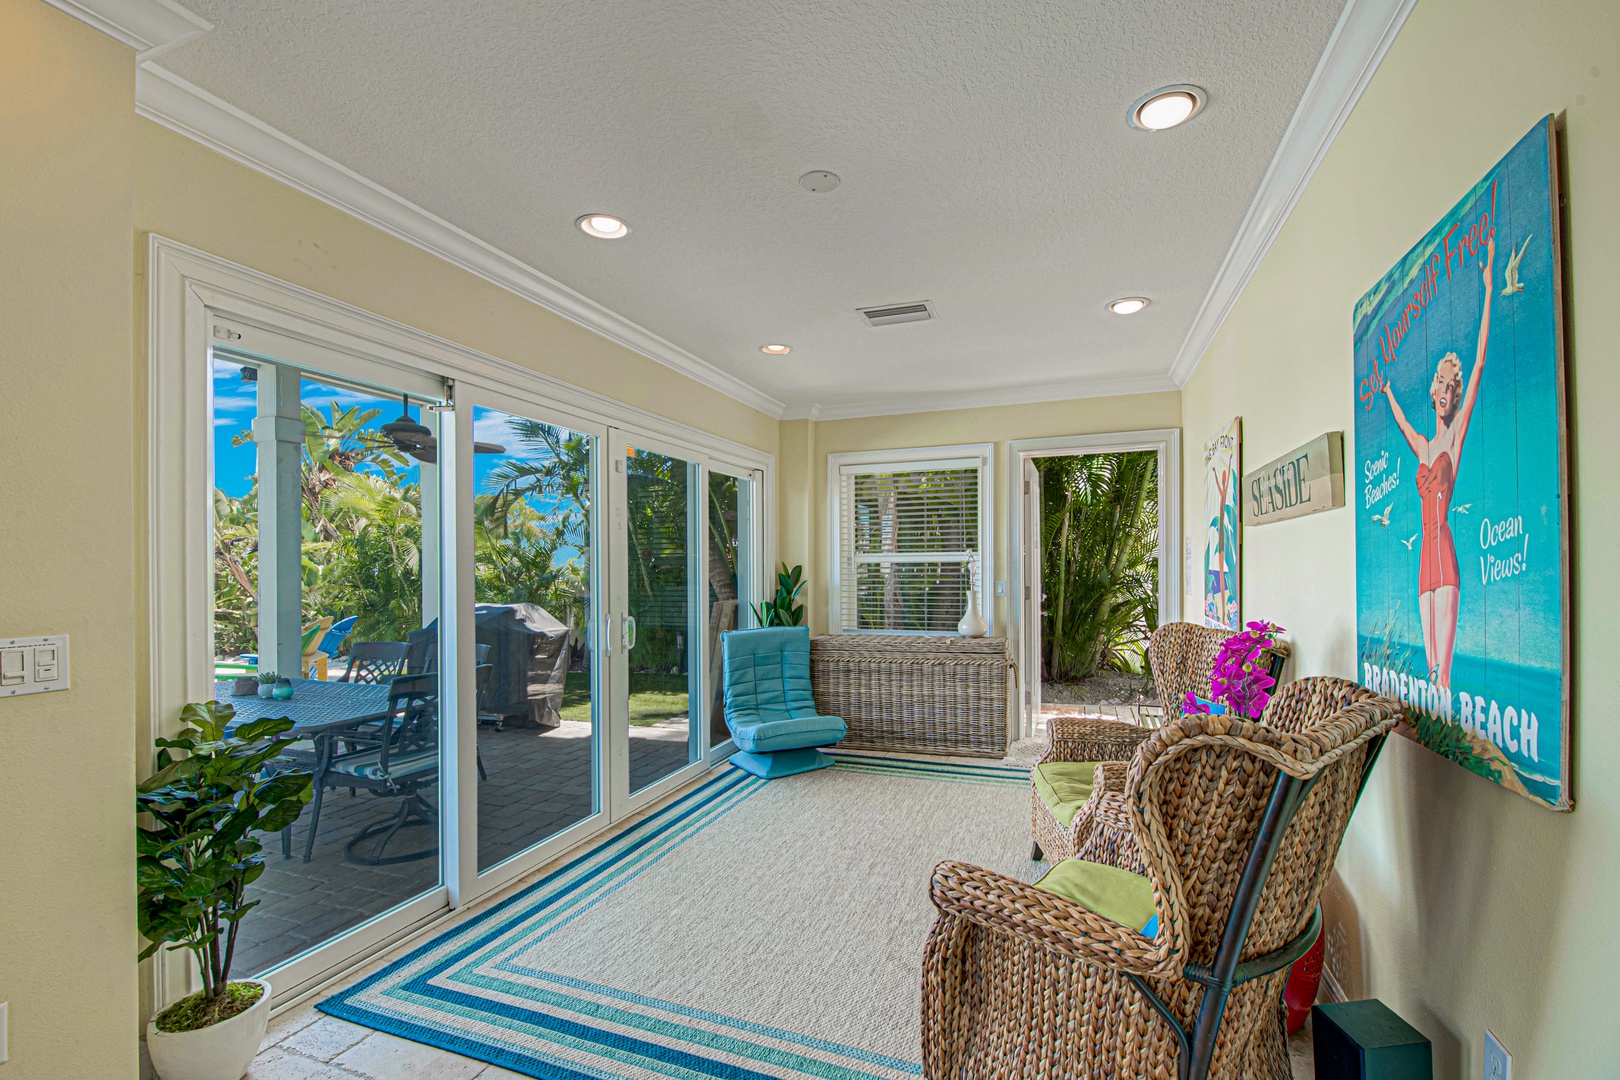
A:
(973, 624)
(222, 1051)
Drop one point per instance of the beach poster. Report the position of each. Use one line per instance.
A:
(1462, 572)
(1222, 474)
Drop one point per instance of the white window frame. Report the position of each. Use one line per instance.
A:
(962, 455)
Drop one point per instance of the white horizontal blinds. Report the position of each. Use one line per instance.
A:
(908, 536)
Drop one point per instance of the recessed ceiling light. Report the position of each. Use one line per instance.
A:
(1165, 108)
(776, 350)
(1128, 305)
(603, 226)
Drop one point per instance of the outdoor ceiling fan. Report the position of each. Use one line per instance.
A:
(416, 440)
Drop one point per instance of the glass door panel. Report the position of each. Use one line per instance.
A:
(730, 572)
(538, 749)
(662, 633)
(325, 531)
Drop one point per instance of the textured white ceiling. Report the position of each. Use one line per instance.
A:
(986, 165)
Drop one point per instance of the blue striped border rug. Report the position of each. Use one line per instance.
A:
(486, 989)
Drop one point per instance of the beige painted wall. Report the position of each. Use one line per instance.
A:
(188, 193)
(1461, 905)
(805, 444)
(67, 761)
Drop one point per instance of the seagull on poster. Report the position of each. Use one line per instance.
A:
(1383, 519)
(1510, 277)
(1409, 540)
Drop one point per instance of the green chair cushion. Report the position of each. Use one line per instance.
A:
(1064, 787)
(1115, 894)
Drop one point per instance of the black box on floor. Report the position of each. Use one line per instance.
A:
(1364, 1040)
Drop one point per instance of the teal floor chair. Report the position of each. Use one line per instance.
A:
(770, 712)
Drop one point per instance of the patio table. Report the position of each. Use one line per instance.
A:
(314, 707)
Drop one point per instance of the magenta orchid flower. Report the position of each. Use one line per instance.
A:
(1240, 679)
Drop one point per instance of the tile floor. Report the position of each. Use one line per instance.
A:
(538, 784)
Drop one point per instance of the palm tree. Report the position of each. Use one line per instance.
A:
(1100, 574)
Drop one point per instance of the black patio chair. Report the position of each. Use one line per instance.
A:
(375, 661)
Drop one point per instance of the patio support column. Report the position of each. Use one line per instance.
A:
(278, 432)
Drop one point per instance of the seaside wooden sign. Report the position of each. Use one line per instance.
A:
(1301, 482)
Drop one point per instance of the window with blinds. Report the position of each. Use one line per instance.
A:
(909, 541)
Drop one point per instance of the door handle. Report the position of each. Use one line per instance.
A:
(607, 634)
(629, 632)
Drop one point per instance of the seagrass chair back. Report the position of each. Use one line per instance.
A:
(1239, 824)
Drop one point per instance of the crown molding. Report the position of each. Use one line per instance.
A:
(1365, 30)
(167, 99)
(147, 26)
(1067, 390)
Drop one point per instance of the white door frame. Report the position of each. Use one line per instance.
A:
(1025, 624)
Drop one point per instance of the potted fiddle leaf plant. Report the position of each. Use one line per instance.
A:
(781, 610)
(215, 791)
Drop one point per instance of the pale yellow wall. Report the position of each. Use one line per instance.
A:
(803, 500)
(1463, 906)
(67, 761)
(188, 193)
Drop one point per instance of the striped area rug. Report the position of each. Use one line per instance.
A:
(750, 929)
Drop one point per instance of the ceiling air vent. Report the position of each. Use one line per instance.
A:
(897, 313)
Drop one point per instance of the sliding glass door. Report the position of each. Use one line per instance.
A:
(535, 676)
(500, 623)
(325, 533)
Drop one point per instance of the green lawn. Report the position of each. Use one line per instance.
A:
(652, 698)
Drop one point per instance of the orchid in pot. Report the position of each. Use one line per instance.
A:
(1241, 682)
(197, 851)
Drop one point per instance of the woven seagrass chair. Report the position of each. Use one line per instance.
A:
(1082, 773)
(1236, 824)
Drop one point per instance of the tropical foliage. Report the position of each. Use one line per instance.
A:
(781, 610)
(362, 531)
(1099, 562)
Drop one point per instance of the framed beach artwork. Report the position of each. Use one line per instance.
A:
(1462, 565)
(1222, 475)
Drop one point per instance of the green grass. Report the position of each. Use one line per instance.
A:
(652, 697)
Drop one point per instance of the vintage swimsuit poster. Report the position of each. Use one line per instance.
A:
(1461, 564)
(1222, 476)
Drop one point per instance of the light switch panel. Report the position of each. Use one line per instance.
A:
(35, 665)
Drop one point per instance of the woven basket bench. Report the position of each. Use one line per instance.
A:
(929, 695)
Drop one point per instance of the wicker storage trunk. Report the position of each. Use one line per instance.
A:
(930, 695)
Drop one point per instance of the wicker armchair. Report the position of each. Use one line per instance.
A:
(1237, 824)
(1183, 658)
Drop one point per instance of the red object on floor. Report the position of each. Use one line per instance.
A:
(1304, 978)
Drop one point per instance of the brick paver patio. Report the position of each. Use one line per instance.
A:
(539, 783)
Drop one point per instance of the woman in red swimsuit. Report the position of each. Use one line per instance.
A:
(1439, 583)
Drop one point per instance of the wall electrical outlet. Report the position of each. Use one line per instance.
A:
(1498, 1062)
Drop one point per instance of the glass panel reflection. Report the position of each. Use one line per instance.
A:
(658, 519)
(537, 716)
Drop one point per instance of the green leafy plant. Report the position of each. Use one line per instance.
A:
(1099, 562)
(780, 610)
(268, 678)
(197, 852)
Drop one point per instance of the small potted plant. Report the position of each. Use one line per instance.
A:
(196, 854)
(267, 684)
(780, 610)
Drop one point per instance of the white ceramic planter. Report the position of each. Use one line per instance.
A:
(221, 1052)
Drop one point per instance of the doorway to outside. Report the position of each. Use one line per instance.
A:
(1096, 526)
